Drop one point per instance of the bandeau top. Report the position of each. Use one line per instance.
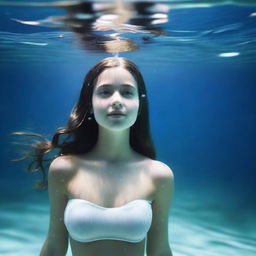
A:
(87, 222)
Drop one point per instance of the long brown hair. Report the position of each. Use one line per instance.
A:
(81, 132)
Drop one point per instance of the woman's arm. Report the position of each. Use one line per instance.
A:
(56, 243)
(157, 240)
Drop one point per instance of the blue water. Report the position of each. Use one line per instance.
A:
(199, 66)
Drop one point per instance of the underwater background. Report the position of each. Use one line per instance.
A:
(198, 59)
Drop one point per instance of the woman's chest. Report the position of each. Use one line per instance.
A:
(111, 186)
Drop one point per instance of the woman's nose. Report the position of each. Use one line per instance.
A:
(116, 105)
(116, 99)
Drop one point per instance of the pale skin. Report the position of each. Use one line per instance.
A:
(110, 175)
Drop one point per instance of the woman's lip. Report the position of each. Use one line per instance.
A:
(116, 115)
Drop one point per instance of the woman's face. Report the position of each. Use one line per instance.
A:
(115, 90)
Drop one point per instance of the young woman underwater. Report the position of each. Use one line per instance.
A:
(109, 196)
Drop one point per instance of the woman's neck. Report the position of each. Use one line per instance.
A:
(113, 146)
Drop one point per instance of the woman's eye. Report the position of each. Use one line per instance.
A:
(128, 92)
(104, 92)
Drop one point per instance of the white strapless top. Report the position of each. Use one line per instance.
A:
(86, 221)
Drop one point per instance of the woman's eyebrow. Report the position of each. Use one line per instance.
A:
(110, 85)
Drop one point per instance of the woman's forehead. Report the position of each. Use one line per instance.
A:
(116, 76)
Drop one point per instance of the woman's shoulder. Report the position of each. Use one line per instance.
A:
(62, 164)
(161, 171)
(163, 178)
(61, 170)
